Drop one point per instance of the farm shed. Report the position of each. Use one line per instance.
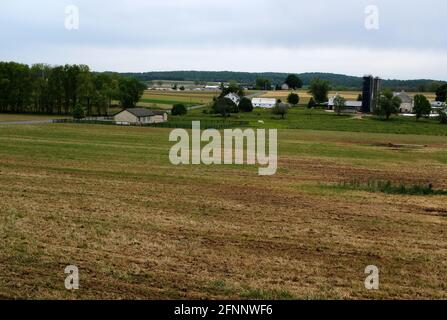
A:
(140, 116)
(350, 105)
(263, 102)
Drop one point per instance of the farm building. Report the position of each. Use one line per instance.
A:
(371, 93)
(233, 97)
(140, 116)
(407, 102)
(263, 102)
(212, 88)
(350, 106)
(285, 86)
(436, 106)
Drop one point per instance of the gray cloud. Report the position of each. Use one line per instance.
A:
(28, 27)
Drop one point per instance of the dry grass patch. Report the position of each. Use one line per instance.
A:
(108, 201)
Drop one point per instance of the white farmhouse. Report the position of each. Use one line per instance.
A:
(140, 116)
(263, 102)
(233, 97)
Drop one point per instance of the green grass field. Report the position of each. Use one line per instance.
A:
(298, 118)
(164, 100)
(174, 97)
(303, 118)
(108, 200)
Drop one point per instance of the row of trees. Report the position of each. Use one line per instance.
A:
(293, 82)
(318, 88)
(63, 89)
(225, 106)
(176, 87)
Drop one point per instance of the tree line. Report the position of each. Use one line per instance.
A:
(68, 89)
(340, 82)
(292, 81)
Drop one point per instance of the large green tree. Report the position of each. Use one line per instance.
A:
(56, 89)
(130, 92)
(293, 99)
(319, 90)
(179, 110)
(339, 104)
(106, 87)
(224, 107)
(86, 90)
(388, 104)
(59, 89)
(71, 83)
(441, 93)
(294, 82)
(245, 105)
(263, 84)
(40, 74)
(422, 107)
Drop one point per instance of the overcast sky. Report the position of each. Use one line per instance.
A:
(236, 35)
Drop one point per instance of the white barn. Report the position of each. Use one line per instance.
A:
(263, 102)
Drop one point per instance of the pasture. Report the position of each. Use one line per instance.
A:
(107, 200)
(166, 99)
(318, 119)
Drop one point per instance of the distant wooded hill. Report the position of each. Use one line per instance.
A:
(338, 81)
